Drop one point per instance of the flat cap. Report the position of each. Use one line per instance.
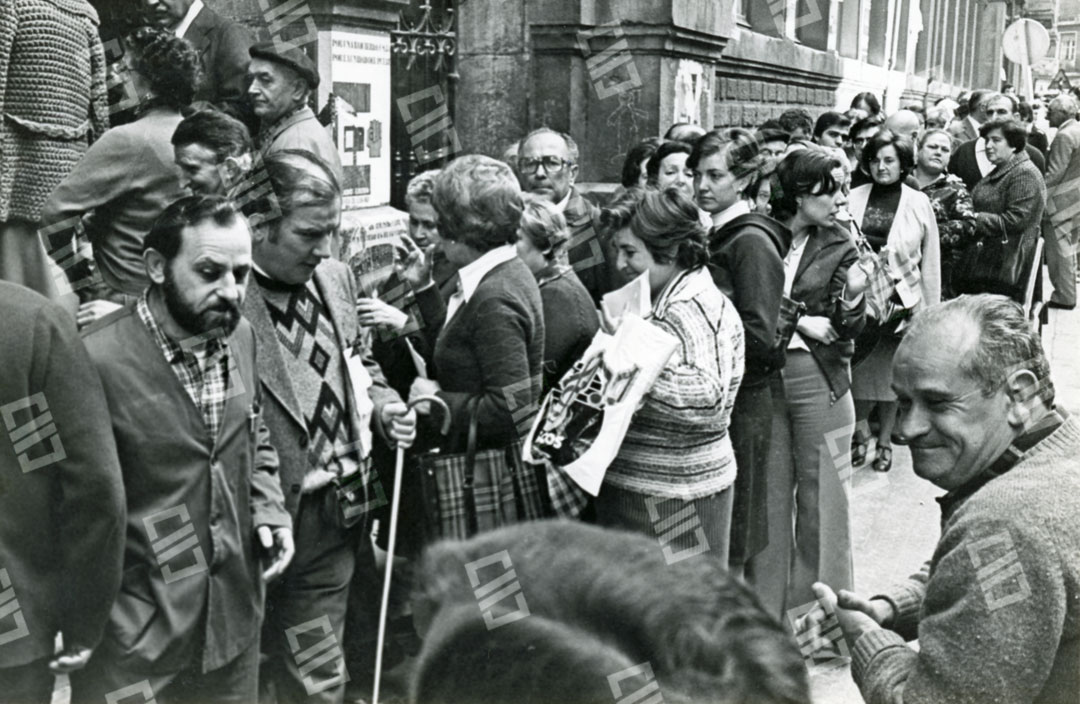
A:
(287, 55)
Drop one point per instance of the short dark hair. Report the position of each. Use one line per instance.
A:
(685, 132)
(769, 134)
(741, 149)
(976, 97)
(665, 150)
(1026, 112)
(665, 221)
(796, 119)
(166, 234)
(1013, 132)
(864, 124)
(830, 119)
(905, 151)
(871, 102)
(224, 135)
(168, 63)
(802, 173)
(638, 153)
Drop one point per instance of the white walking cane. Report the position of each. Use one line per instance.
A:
(395, 503)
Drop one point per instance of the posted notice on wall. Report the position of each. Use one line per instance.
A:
(360, 66)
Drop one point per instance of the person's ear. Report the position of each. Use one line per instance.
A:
(235, 168)
(155, 264)
(573, 171)
(1023, 389)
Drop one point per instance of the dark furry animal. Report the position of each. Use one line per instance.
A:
(572, 608)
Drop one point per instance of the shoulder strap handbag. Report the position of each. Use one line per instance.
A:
(993, 264)
(476, 491)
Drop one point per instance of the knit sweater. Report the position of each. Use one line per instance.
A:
(52, 98)
(998, 610)
(570, 321)
(677, 445)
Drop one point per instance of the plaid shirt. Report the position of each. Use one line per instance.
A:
(200, 363)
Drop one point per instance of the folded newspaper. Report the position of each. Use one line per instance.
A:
(583, 420)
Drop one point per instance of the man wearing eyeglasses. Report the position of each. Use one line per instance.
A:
(547, 167)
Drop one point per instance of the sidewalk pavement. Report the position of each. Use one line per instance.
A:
(895, 524)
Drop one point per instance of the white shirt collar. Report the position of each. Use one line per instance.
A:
(561, 205)
(984, 164)
(472, 273)
(192, 13)
(974, 123)
(741, 207)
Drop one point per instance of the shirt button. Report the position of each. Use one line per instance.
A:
(295, 488)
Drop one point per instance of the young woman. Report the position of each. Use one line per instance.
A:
(746, 261)
(813, 413)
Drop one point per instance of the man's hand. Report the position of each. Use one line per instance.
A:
(92, 311)
(399, 421)
(423, 387)
(878, 609)
(278, 542)
(853, 623)
(375, 313)
(71, 658)
(817, 327)
(413, 264)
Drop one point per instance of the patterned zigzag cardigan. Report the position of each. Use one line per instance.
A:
(678, 444)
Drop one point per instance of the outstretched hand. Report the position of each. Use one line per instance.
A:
(412, 263)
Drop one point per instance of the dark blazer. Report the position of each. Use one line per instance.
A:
(492, 348)
(963, 163)
(819, 283)
(222, 46)
(61, 496)
(178, 478)
(746, 260)
(570, 322)
(963, 131)
(589, 254)
(281, 410)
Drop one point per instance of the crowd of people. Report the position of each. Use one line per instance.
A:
(200, 445)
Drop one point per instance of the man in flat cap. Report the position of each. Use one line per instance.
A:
(282, 79)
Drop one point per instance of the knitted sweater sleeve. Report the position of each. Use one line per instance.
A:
(992, 618)
(99, 92)
(696, 381)
(1025, 198)
(9, 25)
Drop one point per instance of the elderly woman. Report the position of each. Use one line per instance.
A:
(570, 319)
(813, 413)
(949, 197)
(489, 334)
(667, 167)
(129, 176)
(634, 173)
(899, 221)
(676, 458)
(1008, 202)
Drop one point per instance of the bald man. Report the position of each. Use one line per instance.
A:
(1061, 220)
(906, 123)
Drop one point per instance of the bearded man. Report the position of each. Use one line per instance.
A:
(204, 502)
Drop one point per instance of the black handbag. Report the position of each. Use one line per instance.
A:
(480, 490)
(993, 264)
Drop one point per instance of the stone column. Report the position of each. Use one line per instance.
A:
(608, 72)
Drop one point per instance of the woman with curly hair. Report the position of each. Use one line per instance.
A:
(676, 459)
(128, 177)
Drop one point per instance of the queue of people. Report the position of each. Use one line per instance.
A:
(223, 421)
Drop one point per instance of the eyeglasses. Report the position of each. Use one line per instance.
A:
(551, 164)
